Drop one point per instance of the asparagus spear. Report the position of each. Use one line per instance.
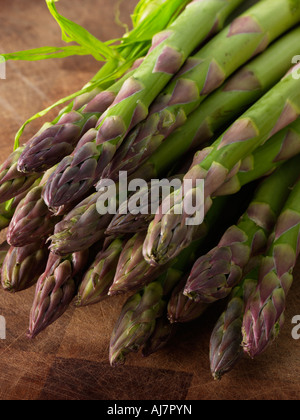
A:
(81, 228)
(55, 141)
(141, 312)
(181, 309)
(84, 225)
(133, 272)
(265, 159)
(55, 290)
(58, 139)
(215, 274)
(99, 277)
(168, 53)
(4, 248)
(245, 87)
(265, 310)
(168, 234)
(7, 209)
(32, 220)
(226, 339)
(40, 145)
(23, 266)
(138, 317)
(5, 216)
(13, 182)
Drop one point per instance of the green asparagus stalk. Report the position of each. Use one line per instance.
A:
(265, 159)
(138, 316)
(7, 209)
(133, 272)
(58, 139)
(63, 132)
(181, 309)
(154, 168)
(226, 339)
(81, 228)
(5, 216)
(55, 290)
(32, 220)
(4, 248)
(169, 51)
(244, 88)
(84, 225)
(265, 310)
(215, 274)
(23, 266)
(169, 233)
(13, 182)
(142, 311)
(99, 277)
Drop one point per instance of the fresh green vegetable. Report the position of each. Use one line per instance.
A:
(226, 339)
(32, 220)
(245, 87)
(265, 310)
(169, 233)
(148, 20)
(4, 248)
(22, 266)
(55, 290)
(265, 159)
(12, 182)
(181, 309)
(169, 51)
(141, 312)
(58, 139)
(138, 317)
(133, 272)
(174, 83)
(215, 274)
(98, 279)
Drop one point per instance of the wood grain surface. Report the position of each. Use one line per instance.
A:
(69, 361)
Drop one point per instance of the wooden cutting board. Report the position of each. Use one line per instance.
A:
(70, 359)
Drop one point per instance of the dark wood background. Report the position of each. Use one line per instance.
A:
(70, 360)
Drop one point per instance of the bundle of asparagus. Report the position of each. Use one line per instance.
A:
(211, 93)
